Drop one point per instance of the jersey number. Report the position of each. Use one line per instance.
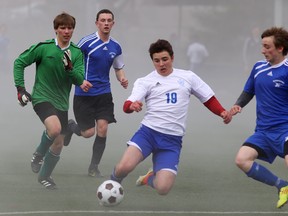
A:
(172, 97)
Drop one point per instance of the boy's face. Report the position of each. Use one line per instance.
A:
(163, 63)
(105, 22)
(64, 33)
(272, 54)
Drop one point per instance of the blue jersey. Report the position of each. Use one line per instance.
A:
(270, 86)
(99, 57)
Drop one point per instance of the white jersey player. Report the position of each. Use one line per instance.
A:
(166, 92)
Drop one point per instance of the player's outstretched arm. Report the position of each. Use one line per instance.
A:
(227, 116)
(130, 106)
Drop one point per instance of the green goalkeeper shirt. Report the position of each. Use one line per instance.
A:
(52, 83)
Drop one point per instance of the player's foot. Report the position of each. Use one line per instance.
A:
(143, 180)
(36, 162)
(283, 197)
(47, 182)
(94, 171)
(69, 132)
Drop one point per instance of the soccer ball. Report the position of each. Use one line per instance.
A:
(110, 193)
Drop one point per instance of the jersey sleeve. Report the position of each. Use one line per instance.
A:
(200, 89)
(139, 91)
(118, 62)
(25, 59)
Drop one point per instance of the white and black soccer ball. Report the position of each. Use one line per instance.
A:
(110, 193)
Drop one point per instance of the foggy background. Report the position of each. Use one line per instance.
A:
(221, 25)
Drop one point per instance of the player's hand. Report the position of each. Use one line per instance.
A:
(136, 106)
(23, 96)
(124, 83)
(67, 61)
(235, 109)
(227, 116)
(86, 85)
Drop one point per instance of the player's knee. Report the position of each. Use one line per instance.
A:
(54, 132)
(88, 133)
(240, 162)
(163, 189)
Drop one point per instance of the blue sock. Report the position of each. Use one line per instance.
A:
(262, 174)
(150, 181)
(115, 178)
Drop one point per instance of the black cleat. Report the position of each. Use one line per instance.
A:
(94, 171)
(36, 162)
(47, 182)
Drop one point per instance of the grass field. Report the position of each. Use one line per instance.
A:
(208, 182)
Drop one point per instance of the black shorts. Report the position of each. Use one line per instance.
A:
(46, 109)
(87, 109)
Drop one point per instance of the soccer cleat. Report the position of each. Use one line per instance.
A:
(94, 171)
(143, 180)
(69, 132)
(283, 197)
(36, 162)
(47, 182)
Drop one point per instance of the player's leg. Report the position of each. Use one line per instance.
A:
(44, 111)
(84, 116)
(245, 160)
(104, 115)
(52, 156)
(130, 159)
(164, 181)
(98, 149)
(166, 154)
(283, 193)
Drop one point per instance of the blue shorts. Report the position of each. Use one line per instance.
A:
(270, 142)
(165, 148)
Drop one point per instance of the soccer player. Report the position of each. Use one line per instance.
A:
(101, 52)
(59, 64)
(268, 81)
(166, 92)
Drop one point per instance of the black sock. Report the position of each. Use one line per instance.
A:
(98, 149)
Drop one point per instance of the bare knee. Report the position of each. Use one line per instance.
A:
(88, 133)
(163, 189)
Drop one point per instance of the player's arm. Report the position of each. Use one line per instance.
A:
(214, 106)
(120, 74)
(241, 102)
(74, 66)
(130, 106)
(25, 59)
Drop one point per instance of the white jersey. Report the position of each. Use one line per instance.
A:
(167, 99)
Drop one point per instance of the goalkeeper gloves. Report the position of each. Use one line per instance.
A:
(67, 61)
(23, 96)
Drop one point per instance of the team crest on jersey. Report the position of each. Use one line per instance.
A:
(112, 55)
(278, 83)
(181, 82)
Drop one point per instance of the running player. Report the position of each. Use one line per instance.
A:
(268, 81)
(59, 64)
(101, 52)
(166, 92)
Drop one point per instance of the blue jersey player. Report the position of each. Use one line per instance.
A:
(268, 81)
(96, 108)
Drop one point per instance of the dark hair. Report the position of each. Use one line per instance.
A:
(159, 46)
(64, 19)
(107, 11)
(280, 37)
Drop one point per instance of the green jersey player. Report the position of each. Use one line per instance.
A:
(59, 64)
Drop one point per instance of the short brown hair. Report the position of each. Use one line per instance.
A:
(64, 19)
(159, 46)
